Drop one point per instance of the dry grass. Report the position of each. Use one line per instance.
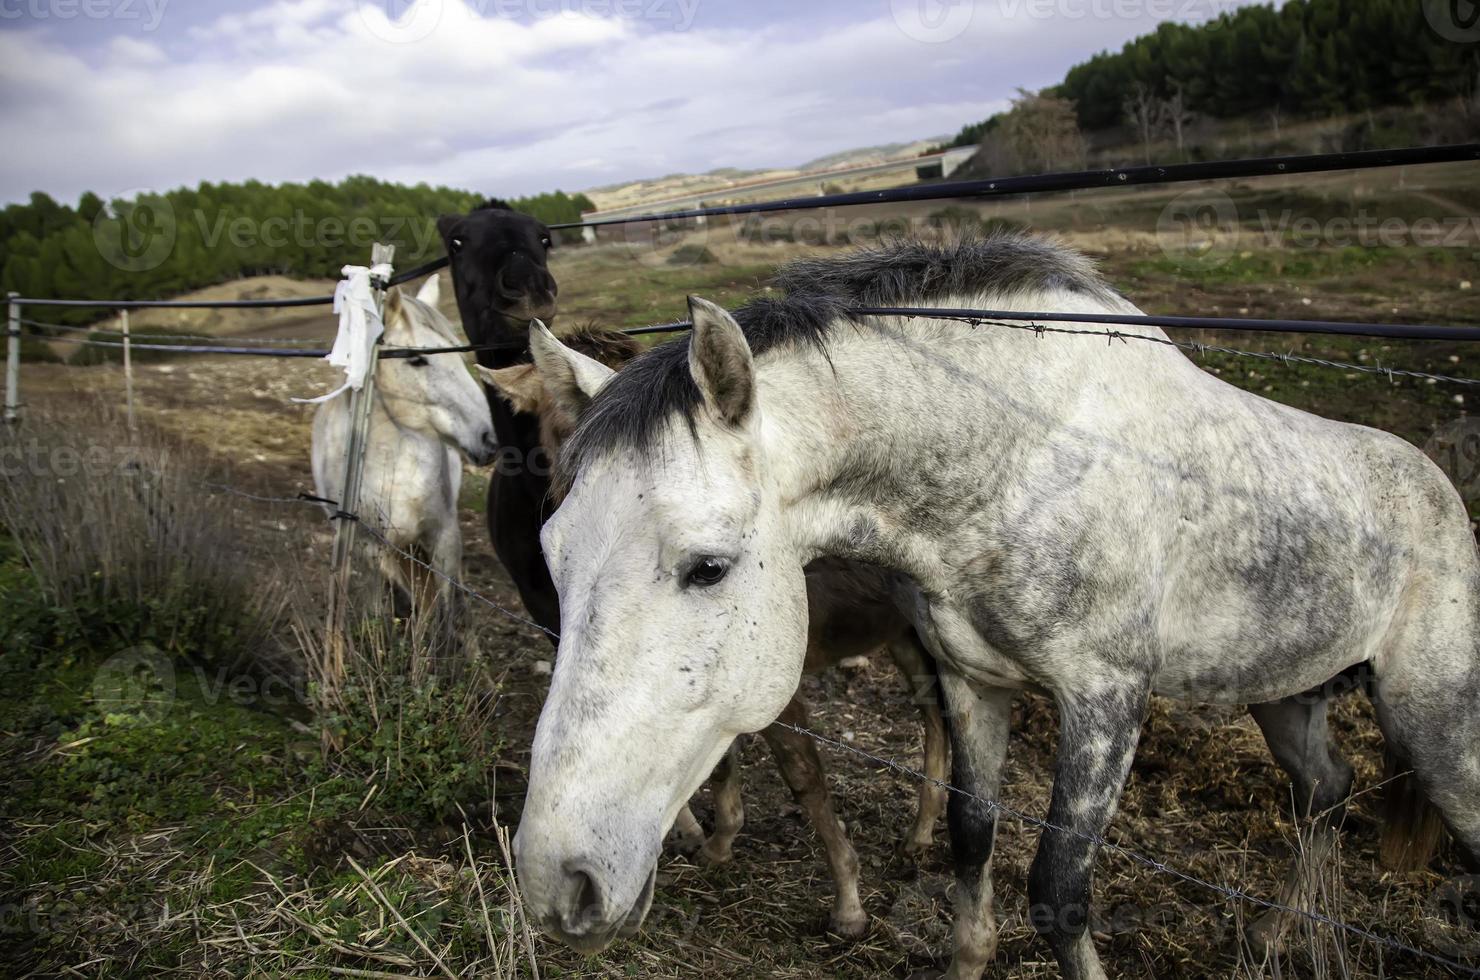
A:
(119, 530)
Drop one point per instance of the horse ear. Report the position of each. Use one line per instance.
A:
(571, 379)
(393, 300)
(520, 385)
(445, 224)
(430, 292)
(721, 362)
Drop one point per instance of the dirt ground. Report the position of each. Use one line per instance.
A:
(1204, 797)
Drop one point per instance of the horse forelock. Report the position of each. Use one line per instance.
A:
(656, 387)
(417, 313)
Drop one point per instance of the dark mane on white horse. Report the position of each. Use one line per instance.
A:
(634, 405)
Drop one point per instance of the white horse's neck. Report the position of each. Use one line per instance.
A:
(893, 446)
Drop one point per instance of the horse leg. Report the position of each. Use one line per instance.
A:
(979, 729)
(1097, 741)
(446, 568)
(690, 833)
(918, 671)
(1298, 736)
(729, 809)
(394, 571)
(801, 767)
(1427, 677)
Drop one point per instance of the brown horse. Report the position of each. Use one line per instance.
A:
(852, 613)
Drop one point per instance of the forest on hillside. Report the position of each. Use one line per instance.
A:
(160, 245)
(1307, 58)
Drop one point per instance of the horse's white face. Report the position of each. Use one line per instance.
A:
(434, 395)
(683, 624)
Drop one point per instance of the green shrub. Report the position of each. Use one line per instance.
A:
(417, 725)
(692, 255)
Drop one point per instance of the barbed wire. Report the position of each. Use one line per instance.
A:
(1286, 359)
(993, 806)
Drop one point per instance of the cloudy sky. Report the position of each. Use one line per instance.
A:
(509, 96)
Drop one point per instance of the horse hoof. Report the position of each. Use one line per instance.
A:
(852, 927)
(714, 856)
(915, 848)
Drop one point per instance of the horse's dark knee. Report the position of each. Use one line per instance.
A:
(1059, 888)
(972, 824)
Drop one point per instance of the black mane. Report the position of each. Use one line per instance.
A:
(817, 293)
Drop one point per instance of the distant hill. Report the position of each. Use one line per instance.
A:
(636, 192)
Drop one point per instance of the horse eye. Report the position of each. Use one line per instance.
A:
(708, 571)
(417, 361)
(545, 242)
(455, 244)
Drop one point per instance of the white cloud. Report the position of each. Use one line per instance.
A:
(297, 89)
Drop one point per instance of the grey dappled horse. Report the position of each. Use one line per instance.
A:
(1097, 521)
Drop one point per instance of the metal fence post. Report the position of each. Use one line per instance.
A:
(128, 373)
(360, 405)
(13, 361)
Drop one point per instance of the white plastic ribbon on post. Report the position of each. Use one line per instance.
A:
(359, 328)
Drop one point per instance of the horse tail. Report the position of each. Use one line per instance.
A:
(1412, 825)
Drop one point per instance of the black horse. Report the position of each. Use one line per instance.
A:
(501, 279)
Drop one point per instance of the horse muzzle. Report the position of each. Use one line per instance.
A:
(584, 922)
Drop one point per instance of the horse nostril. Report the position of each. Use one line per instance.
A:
(585, 907)
(501, 283)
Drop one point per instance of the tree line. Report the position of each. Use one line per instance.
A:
(1306, 58)
(159, 245)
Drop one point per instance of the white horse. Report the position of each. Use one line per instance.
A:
(428, 412)
(1097, 522)
(851, 613)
